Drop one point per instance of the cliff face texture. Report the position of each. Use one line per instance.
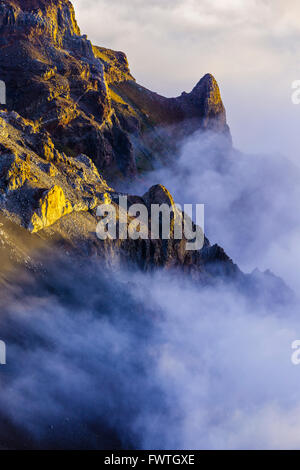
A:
(85, 96)
(76, 121)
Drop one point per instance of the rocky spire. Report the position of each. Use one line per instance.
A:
(86, 97)
(207, 94)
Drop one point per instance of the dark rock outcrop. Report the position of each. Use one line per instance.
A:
(86, 97)
(44, 191)
(54, 78)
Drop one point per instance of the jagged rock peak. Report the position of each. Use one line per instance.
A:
(85, 97)
(207, 92)
(206, 83)
(158, 194)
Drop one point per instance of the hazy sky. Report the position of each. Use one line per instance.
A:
(250, 46)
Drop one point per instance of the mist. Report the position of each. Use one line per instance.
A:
(251, 201)
(106, 359)
(99, 359)
(125, 359)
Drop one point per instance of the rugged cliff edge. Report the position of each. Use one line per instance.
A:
(75, 123)
(86, 97)
(46, 192)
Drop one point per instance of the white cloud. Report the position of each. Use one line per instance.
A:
(164, 363)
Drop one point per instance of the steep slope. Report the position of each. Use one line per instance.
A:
(49, 193)
(86, 97)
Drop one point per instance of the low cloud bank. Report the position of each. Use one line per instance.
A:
(97, 359)
(102, 359)
(251, 202)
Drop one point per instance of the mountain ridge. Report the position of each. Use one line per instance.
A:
(85, 95)
(75, 124)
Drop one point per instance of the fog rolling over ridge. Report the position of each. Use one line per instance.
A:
(106, 359)
(98, 359)
(251, 201)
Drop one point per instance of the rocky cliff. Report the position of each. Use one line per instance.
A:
(76, 121)
(86, 97)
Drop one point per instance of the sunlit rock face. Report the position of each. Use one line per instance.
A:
(31, 167)
(53, 18)
(51, 207)
(53, 196)
(86, 97)
(54, 78)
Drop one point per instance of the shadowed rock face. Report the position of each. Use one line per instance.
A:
(55, 196)
(86, 97)
(202, 108)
